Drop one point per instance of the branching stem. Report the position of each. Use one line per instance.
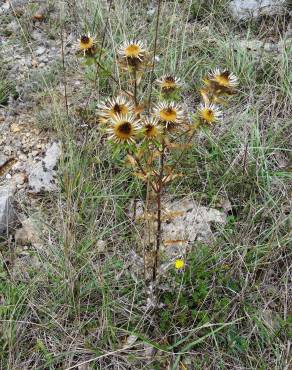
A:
(178, 159)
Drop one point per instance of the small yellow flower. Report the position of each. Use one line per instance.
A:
(113, 107)
(224, 78)
(209, 113)
(168, 83)
(169, 113)
(123, 129)
(179, 264)
(151, 128)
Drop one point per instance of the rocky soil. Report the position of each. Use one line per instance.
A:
(29, 154)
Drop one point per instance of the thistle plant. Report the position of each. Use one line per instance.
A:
(148, 131)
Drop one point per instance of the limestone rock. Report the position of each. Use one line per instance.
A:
(41, 177)
(184, 222)
(192, 222)
(7, 213)
(244, 9)
(40, 50)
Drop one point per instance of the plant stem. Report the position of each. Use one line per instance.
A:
(113, 78)
(178, 159)
(135, 86)
(158, 202)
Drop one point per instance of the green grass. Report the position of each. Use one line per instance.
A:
(7, 87)
(85, 297)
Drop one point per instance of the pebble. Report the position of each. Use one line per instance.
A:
(39, 15)
(19, 178)
(40, 50)
(14, 127)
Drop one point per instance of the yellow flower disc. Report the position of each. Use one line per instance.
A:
(179, 264)
(133, 51)
(168, 114)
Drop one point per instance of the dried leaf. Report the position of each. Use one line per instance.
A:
(204, 93)
(147, 216)
(131, 160)
(171, 177)
(140, 153)
(141, 175)
(172, 214)
(155, 155)
(175, 242)
(139, 108)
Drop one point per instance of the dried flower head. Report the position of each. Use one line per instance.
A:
(112, 107)
(210, 113)
(179, 264)
(169, 113)
(123, 128)
(224, 78)
(168, 83)
(86, 42)
(151, 129)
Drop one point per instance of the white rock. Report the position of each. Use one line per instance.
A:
(185, 221)
(52, 155)
(244, 9)
(192, 221)
(7, 213)
(4, 8)
(41, 177)
(40, 50)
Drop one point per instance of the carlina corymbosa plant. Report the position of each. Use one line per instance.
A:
(147, 131)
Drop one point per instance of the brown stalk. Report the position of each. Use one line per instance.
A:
(158, 202)
(135, 86)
